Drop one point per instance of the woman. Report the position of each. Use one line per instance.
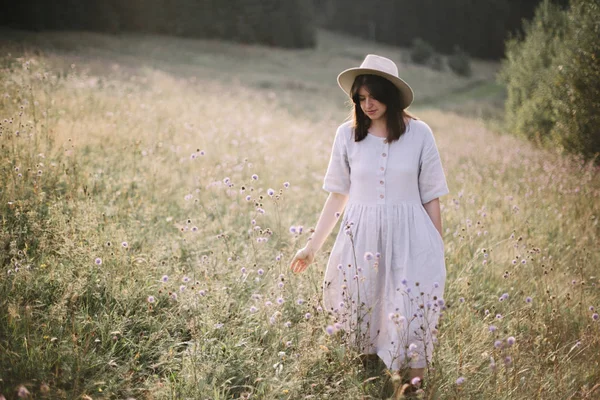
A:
(385, 276)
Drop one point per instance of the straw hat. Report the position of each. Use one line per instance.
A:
(380, 66)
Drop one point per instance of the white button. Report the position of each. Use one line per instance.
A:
(381, 182)
(383, 155)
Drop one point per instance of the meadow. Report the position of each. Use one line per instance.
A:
(155, 189)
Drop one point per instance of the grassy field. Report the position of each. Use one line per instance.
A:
(140, 259)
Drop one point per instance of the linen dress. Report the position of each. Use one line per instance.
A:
(385, 276)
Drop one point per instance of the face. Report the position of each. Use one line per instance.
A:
(372, 108)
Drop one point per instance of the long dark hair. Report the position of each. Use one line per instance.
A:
(385, 92)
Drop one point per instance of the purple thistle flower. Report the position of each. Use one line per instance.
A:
(280, 285)
(98, 261)
(248, 198)
(368, 256)
(292, 229)
(286, 185)
(404, 282)
(22, 392)
(253, 309)
(260, 271)
(288, 324)
(307, 315)
(226, 180)
(507, 360)
(182, 288)
(436, 285)
(151, 299)
(460, 381)
(268, 303)
(280, 300)
(243, 270)
(510, 340)
(528, 299)
(492, 328)
(416, 381)
(270, 192)
(300, 301)
(498, 316)
(299, 228)
(254, 177)
(125, 245)
(202, 292)
(185, 279)
(165, 278)
(174, 296)
(595, 316)
(441, 302)
(498, 344)
(591, 308)
(330, 330)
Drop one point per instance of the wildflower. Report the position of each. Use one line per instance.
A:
(292, 229)
(125, 245)
(98, 261)
(498, 316)
(165, 278)
(260, 271)
(412, 347)
(151, 299)
(492, 328)
(307, 315)
(281, 354)
(22, 392)
(300, 301)
(507, 360)
(498, 344)
(337, 214)
(440, 302)
(404, 282)
(416, 381)
(174, 296)
(254, 177)
(330, 330)
(278, 258)
(218, 325)
(202, 292)
(591, 308)
(288, 343)
(194, 229)
(460, 381)
(378, 255)
(504, 296)
(248, 198)
(528, 299)
(299, 228)
(185, 279)
(511, 340)
(280, 300)
(243, 270)
(286, 185)
(253, 309)
(288, 324)
(188, 197)
(226, 180)
(337, 326)
(268, 303)
(436, 285)
(462, 299)
(181, 288)
(319, 309)
(339, 267)
(280, 285)
(595, 316)
(270, 192)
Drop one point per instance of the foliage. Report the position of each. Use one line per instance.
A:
(479, 27)
(421, 52)
(274, 23)
(460, 62)
(552, 77)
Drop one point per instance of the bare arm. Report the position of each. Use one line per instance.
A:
(336, 202)
(433, 210)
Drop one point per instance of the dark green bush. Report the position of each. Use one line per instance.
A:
(553, 78)
(421, 51)
(460, 62)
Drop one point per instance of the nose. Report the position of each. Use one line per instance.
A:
(368, 103)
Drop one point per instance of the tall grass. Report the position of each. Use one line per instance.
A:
(141, 257)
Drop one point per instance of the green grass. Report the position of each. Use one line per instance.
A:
(116, 126)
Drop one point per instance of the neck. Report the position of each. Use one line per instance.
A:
(378, 125)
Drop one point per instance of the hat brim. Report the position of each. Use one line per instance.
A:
(346, 80)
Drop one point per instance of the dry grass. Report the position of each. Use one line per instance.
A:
(134, 144)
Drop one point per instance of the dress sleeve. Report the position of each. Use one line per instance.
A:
(337, 178)
(432, 180)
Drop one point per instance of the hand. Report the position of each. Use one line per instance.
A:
(303, 258)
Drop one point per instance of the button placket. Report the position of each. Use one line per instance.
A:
(382, 167)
